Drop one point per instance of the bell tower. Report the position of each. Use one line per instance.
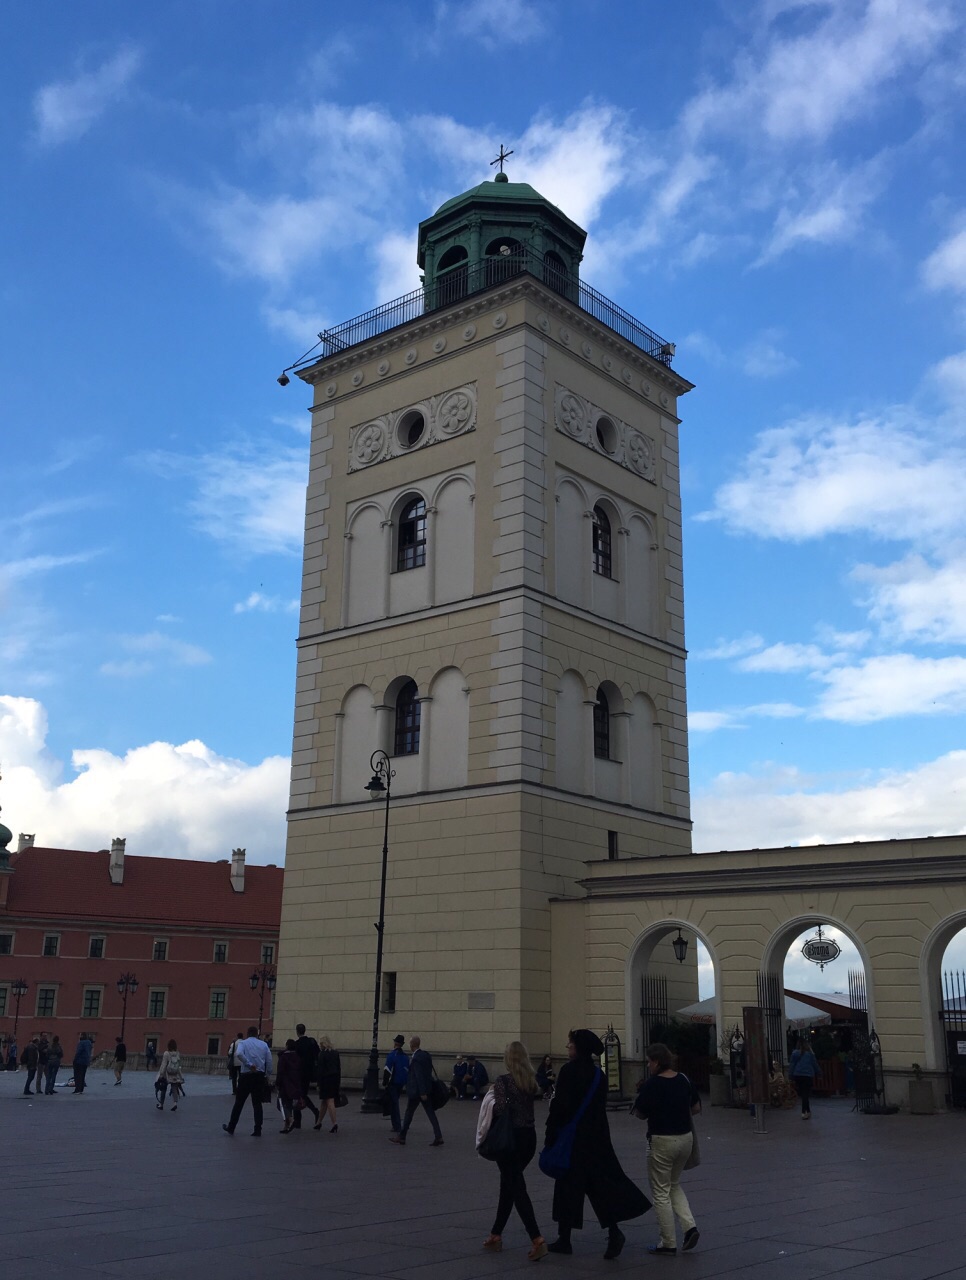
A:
(492, 595)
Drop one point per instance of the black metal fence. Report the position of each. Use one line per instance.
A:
(953, 1016)
(464, 279)
(653, 1006)
(771, 1001)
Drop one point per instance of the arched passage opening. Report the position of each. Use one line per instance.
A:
(673, 994)
(816, 988)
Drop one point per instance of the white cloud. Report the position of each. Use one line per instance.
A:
(710, 721)
(151, 649)
(725, 649)
(66, 109)
(167, 800)
(897, 684)
(889, 476)
(784, 658)
(255, 602)
(31, 565)
(251, 497)
(783, 807)
(396, 270)
(916, 600)
(495, 23)
(950, 375)
(945, 268)
(763, 358)
(829, 213)
(801, 88)
(299, 323)
(598, 133)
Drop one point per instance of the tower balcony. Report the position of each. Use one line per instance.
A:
(465, 280)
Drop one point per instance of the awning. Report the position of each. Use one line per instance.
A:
(797, 1014)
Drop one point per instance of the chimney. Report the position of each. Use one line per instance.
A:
(116, 864)
(238, 870)
(24, 842)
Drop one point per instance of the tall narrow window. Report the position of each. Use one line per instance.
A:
(157, 1002)
(602, 543)
(601, 726)
(46, 1002)
(411, 547)
(52, 944)
(388, 993)
(91, 1007)
(268, 953)
(613, 851)
(407, 720)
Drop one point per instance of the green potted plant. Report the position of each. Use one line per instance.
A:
(921, 1099)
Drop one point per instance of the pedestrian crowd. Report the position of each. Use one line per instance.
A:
(577, 1149)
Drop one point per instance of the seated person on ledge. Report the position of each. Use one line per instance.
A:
(459, 1073)
(474, 1081)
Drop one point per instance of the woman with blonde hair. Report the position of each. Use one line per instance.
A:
(330, 1082)
(516, 1089)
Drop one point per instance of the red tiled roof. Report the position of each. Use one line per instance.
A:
(75, 883)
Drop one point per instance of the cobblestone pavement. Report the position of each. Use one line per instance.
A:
(105, 1185)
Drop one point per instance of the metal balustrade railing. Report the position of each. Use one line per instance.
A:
(464, 280)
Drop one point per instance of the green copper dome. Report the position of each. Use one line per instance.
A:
(491, 232)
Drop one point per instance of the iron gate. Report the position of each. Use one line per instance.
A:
(771, 1001)
(653, 1006)
(953, 1016)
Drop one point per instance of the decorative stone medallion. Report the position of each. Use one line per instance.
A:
(383, 368)
(358, 377)
(331, 389)
(412, 355)
(439, 345)
(499, 320)
(469, 333)
(601, 431)
(586, 350)
(543, 322)
(450, 414)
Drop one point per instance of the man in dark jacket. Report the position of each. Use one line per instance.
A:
(307, 1048)
(419, 1085)
(29, 1058)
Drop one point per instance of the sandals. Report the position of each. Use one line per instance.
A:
(493, 1244)
(540, 1249)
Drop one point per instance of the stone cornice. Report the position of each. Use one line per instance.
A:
(816, 874)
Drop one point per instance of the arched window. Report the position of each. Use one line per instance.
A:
(602, 543)
(411, 544)
(555, 272)
(451, 276)
(406, 738)
(505, 257)
(602, 726)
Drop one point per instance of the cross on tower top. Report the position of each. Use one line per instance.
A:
(504, 154)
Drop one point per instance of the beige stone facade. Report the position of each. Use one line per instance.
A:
(529, 415)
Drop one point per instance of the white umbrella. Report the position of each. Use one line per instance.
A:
(797, 1013)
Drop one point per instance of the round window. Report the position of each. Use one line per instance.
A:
(410, 429)
(606, 435)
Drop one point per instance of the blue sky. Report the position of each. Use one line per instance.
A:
(778, 187)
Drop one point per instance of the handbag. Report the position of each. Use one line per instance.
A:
(694, 1159)
(555, 1159)
(500, 1139)
(266, 1090)
(438, 1093)
(341, 1100)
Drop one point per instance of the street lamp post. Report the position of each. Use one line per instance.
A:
(126, 983)
(19, 989)
(266, 977)
(380, 784)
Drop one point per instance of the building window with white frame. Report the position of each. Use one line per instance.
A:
(96, 946)
(52, 944)
(6, 944)
(602, 726)
(220, 953)
(91, 1004)
(218, 1003)
(157, 1002)
(160, 951)
(602, 544)
(46, 1002)
(268, 953)
(406, 736)
(411, 536)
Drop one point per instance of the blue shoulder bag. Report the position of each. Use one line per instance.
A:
(555, 1159)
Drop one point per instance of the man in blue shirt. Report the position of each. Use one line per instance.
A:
(395, 1077)
(82, 1060)
(255, 1058)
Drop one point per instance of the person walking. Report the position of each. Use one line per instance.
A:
(120, 1058)
(55, 1056)
(43, 1056)
(169, 1077)
(12, 1053)
(595, 1171)
(29, 1059)
(546, 1075)
(803, 1068)
(234, 1066)
(288, 1079)
(256, 1067)
(82, 1060)
(419, 1084)
(330, 1082)
(307, 1048)
(667, 1100)
(394, 1076)
(516, 1090)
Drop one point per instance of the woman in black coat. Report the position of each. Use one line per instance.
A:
(595, 1171)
